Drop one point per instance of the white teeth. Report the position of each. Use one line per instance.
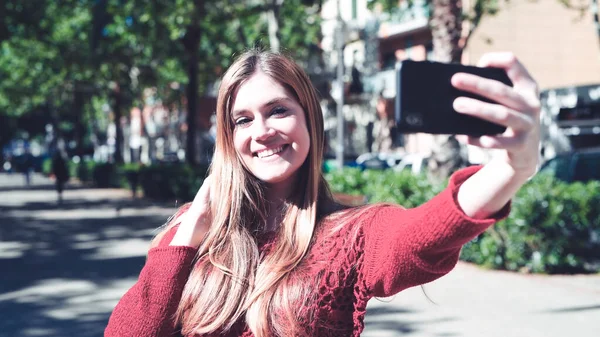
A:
(270, 152)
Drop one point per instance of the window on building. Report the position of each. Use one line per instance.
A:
(354, 10)
(581, 112)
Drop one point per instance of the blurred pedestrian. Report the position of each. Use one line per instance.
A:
(27, 166)
(264, 249)
(60, 172)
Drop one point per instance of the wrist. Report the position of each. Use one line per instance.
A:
(518, 172)
(185, 236)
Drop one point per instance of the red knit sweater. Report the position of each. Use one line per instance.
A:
(395, 249)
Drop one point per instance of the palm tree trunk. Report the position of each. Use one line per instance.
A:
(446, 29)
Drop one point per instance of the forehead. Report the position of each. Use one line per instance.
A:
(258, 90)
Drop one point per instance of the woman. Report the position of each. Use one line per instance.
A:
(263, 250)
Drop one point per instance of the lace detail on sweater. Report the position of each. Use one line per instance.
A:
(337, 259)
(334, 264)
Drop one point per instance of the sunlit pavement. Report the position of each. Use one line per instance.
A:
(64, 267)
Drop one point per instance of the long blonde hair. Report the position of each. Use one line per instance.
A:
(230, 279)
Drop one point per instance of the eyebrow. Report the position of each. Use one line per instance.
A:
(266, 105)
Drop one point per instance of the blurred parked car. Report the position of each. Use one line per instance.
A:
(414, 162)
(579, 165)
(376, 160)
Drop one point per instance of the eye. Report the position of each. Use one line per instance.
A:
(242, 121)
(278, 111)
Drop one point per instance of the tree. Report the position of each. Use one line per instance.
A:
(61, 57)
(43, 63)
(204, 36)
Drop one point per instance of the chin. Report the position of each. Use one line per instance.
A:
(272, 179)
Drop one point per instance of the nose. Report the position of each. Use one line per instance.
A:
(261, 131)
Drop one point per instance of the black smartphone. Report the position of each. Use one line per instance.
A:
(424, 97)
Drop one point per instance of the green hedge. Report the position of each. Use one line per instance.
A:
(160, 181)
(73, 168)
(171, 181)
(554, 227)
(403, 188)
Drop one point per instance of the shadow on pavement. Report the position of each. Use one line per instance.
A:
(69, 205)
(388, 320)
(37, 187)
(63, 271)
(573, 309)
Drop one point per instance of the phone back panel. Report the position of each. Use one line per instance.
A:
(425, 95)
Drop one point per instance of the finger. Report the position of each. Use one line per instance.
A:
(491, 89)
(463, 139)
(515, 70)
(497, 142)
(203, 196)
(494, 113)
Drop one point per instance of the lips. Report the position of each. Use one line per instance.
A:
(266, 153)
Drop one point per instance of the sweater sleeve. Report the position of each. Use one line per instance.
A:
(148, 308)
(409, 247)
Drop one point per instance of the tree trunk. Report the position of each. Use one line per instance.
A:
(446, 29)
(273, 24)
(117, 106)
(191, 42)
(78, 105)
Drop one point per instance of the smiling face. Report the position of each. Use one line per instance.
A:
(270, 135)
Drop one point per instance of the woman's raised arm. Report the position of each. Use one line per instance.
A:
(517, 149)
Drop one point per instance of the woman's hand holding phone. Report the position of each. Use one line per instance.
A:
(518, 109)
(196, 220)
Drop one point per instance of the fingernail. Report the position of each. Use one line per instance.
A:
(456, 79)
(458, 104)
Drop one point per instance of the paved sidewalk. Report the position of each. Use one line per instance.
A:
(471, 302)
(64, 267)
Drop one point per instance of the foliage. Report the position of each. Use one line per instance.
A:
(402, 187)
(65, 60)
(100, 175)
(386, 5)
(171, 181)
(554, 227)
(44, 64)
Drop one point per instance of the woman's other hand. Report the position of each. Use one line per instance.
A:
(518, 109)
(196, 220)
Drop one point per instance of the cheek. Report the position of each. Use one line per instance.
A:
(240, 143)
(303, 139)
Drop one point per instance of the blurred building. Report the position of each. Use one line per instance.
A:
(360, 41)
(561, 49)
(156, 132)
(559, 46)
